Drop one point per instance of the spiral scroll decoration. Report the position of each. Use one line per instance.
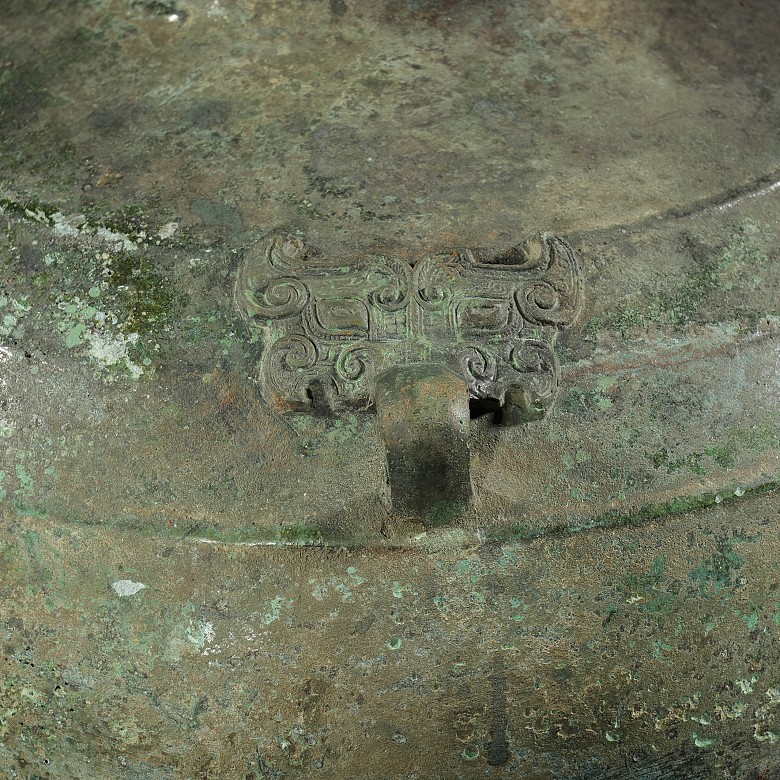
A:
(283, 297)
(535, 361)
(286, 254)
(354, 362)
(393, 278)
(433, 283)
(289, 366)
(481, 369)
(330, 328)
(540, 302)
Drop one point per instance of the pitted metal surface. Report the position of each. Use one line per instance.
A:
(203, 570)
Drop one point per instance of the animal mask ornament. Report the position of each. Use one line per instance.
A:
(344, 336)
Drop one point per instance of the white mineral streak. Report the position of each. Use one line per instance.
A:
(168, 229)
(127, 587)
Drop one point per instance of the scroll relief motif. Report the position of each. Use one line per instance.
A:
(329, 329)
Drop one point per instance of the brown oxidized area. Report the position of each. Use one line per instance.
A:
(196, 584)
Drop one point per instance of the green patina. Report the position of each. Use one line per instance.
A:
(117, 304)
(30, 210)
(644, 514)
(303, 533)
(275, 611)
(746, 250)
(751, 618)
(718, 572)
(721, 455)
(148, 298)
(444, 512)
(128, 221)
(26, 482)
(646, 582)
(12, 312)
(338, 146)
